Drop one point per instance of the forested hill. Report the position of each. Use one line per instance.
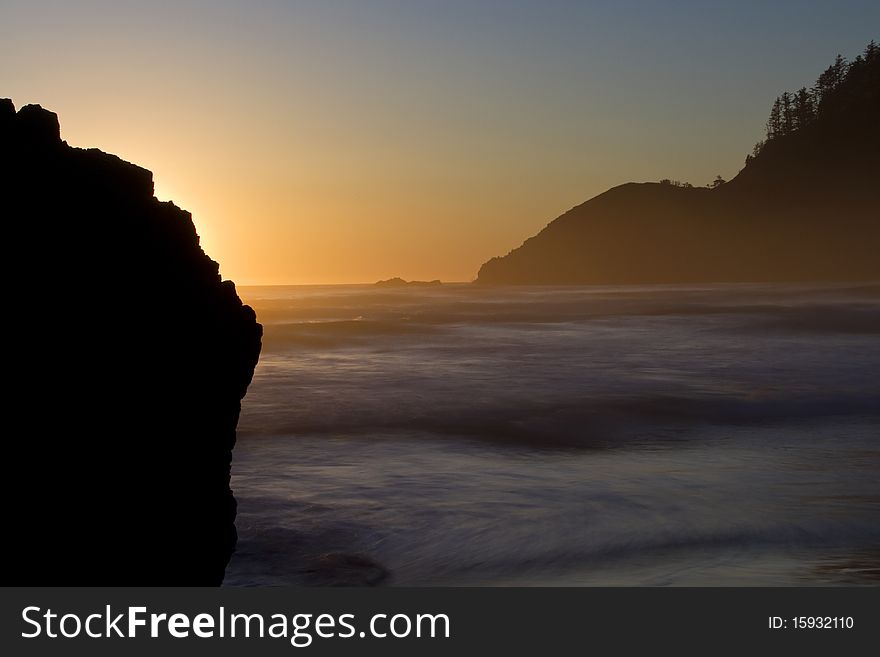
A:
(804, 207)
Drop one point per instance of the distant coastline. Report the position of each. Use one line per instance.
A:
(399, 282)
(802, 209)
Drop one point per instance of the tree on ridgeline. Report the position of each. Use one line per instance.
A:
(840, 68)
(792, 112)
(675, 183)
(803, 109)
(829, 80)
(774, 123)
(756, 150)
(787, 114)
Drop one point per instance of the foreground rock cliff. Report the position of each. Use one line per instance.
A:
(127, 359)
(806, 207)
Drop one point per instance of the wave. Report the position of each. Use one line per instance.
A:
(748, 540)
(359, 331)
(354, 554)
(830, 318)
(354, 317)
(587, 423)
(335, 333)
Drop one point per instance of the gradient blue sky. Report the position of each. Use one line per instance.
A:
(350, 141)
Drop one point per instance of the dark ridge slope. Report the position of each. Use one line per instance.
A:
(127, 361)
(806, 207)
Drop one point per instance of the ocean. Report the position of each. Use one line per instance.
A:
(624, 436)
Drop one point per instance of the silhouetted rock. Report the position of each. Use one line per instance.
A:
(37, 127)
(7, 115)
(805, 208)
(399, 282)
(127, 358)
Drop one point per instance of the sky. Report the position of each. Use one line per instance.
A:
(351, 141)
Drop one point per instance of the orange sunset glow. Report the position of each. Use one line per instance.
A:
(348, 142)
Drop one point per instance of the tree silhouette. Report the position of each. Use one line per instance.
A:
(803, 109)
(795, 111)
(787, 114)
(839, 68)
(829, 80)
(774, 123)
(674, 183)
